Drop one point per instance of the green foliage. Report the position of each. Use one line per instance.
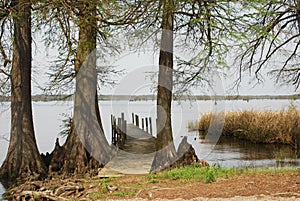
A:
(103, 192)
(207, 174)
(96, 196)
(124, 193)
(104, 183)
(212, 173)
(210, 176)
(153, 181)
(270, 30)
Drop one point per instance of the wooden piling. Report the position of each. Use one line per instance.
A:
(125, 129)
(150, 125)
(143, 126)
(123, 134)
(112, 129)
(137, 120)
(132, 114)
(147, 130)
(118, 130)
(122, 120)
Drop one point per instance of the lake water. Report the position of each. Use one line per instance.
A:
(48, 118)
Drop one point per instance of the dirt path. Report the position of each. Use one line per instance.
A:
(250, 186)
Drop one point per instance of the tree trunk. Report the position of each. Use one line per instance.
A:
(86, 146)
(165, 150)
(23, 158)
(298, 14)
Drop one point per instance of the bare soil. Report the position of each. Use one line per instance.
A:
(250, 186)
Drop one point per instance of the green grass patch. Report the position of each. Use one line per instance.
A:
(209, 174)
(95, 196)
(153, 181)
(124, 193)
(104, 183)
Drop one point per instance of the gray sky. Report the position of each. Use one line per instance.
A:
(135, 79)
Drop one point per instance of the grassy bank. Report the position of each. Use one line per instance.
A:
(211, 173)
(185, 182)
(282, 127)
(207, 174)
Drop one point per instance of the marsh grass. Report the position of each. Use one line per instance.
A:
(282, 127)
(193, 126)
(283, 156)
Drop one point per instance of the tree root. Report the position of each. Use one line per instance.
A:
(36, 195)
(34, 191)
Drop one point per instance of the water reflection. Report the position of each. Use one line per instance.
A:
(231, 151)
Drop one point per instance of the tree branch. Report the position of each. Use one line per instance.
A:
(5, 73)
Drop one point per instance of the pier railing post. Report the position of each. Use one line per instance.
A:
(146, 119)
(112, 129)
(150, 125)
(122, 116)
(123, 129)
(119, 132)
(132, 114)
(137, 120)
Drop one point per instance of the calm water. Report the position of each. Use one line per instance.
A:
(48, 118)
(234, 152)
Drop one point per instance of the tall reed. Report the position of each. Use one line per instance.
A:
(281, 126)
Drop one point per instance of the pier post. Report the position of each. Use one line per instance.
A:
(137, 120)
(132, 114)
(125, 129)
(150, 125)
(147, 130)
(119, 130)
(112, 129)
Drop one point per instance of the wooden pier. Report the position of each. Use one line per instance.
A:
(136, 147)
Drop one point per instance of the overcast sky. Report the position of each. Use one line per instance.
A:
(137, 68)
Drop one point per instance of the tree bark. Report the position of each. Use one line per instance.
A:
(86, 146)
(165, 151)
(298, 14)
(23, 158)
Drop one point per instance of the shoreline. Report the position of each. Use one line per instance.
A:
(63, 97)
(260, 184)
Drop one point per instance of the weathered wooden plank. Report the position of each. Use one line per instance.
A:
(136, 154)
